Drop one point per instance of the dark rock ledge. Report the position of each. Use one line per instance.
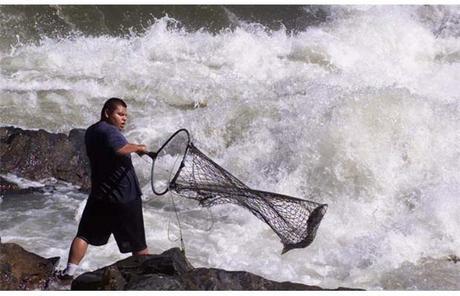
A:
(38, 155)
(23, 270)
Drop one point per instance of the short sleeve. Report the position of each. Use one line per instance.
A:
(115, 140)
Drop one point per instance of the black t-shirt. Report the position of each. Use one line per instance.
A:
(112, 175)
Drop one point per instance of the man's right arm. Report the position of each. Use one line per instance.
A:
(130, 148)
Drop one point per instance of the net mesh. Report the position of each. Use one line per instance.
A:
(294, 220)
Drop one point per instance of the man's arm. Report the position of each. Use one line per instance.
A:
(130, 148)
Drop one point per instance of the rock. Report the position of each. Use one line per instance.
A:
(23, 270)
(453, 258)
(171, 271)
(151, 272)
(156, 282)
(7, 187)
(39, 154)
(217, 279)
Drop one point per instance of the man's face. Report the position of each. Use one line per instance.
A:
(118, 117)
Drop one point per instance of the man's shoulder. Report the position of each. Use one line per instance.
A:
(96, 131)
(105, 133)
(101, 127)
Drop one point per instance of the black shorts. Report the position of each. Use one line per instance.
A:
(100, 219)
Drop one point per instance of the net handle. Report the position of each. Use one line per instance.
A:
(154, 157)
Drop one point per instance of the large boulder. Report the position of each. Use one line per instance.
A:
(23, 270)
(38, 155)
(172, 271)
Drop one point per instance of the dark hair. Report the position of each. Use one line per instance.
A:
(110, 105)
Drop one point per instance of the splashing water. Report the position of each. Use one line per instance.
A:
(359, 110)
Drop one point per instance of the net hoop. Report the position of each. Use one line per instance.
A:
(171, 182)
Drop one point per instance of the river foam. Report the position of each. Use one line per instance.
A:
(359, 111)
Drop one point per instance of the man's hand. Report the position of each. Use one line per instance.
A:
(141, 150)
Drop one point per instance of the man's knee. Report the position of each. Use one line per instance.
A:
(80, 242)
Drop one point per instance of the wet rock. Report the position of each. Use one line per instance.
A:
(151, 272)
(7, 187)
(453, 258)
(23, 270)
(217, 279)
(37, 155)
(171, 271)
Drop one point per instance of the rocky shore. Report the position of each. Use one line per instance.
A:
(170, 270)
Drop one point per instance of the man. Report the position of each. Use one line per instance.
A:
(114, 204)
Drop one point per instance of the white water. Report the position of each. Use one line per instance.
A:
(361, 113)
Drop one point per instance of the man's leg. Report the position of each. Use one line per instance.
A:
(76, 254)
(77, 250)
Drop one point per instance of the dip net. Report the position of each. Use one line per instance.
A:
(181, 167)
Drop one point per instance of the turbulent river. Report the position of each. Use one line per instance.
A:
(354, 106)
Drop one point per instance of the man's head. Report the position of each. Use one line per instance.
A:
(114, 112)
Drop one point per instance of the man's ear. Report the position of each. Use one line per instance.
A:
(105, 114)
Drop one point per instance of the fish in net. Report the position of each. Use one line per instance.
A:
(181, 167)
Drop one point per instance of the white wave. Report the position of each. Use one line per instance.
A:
(360, 112)
(22, 183)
